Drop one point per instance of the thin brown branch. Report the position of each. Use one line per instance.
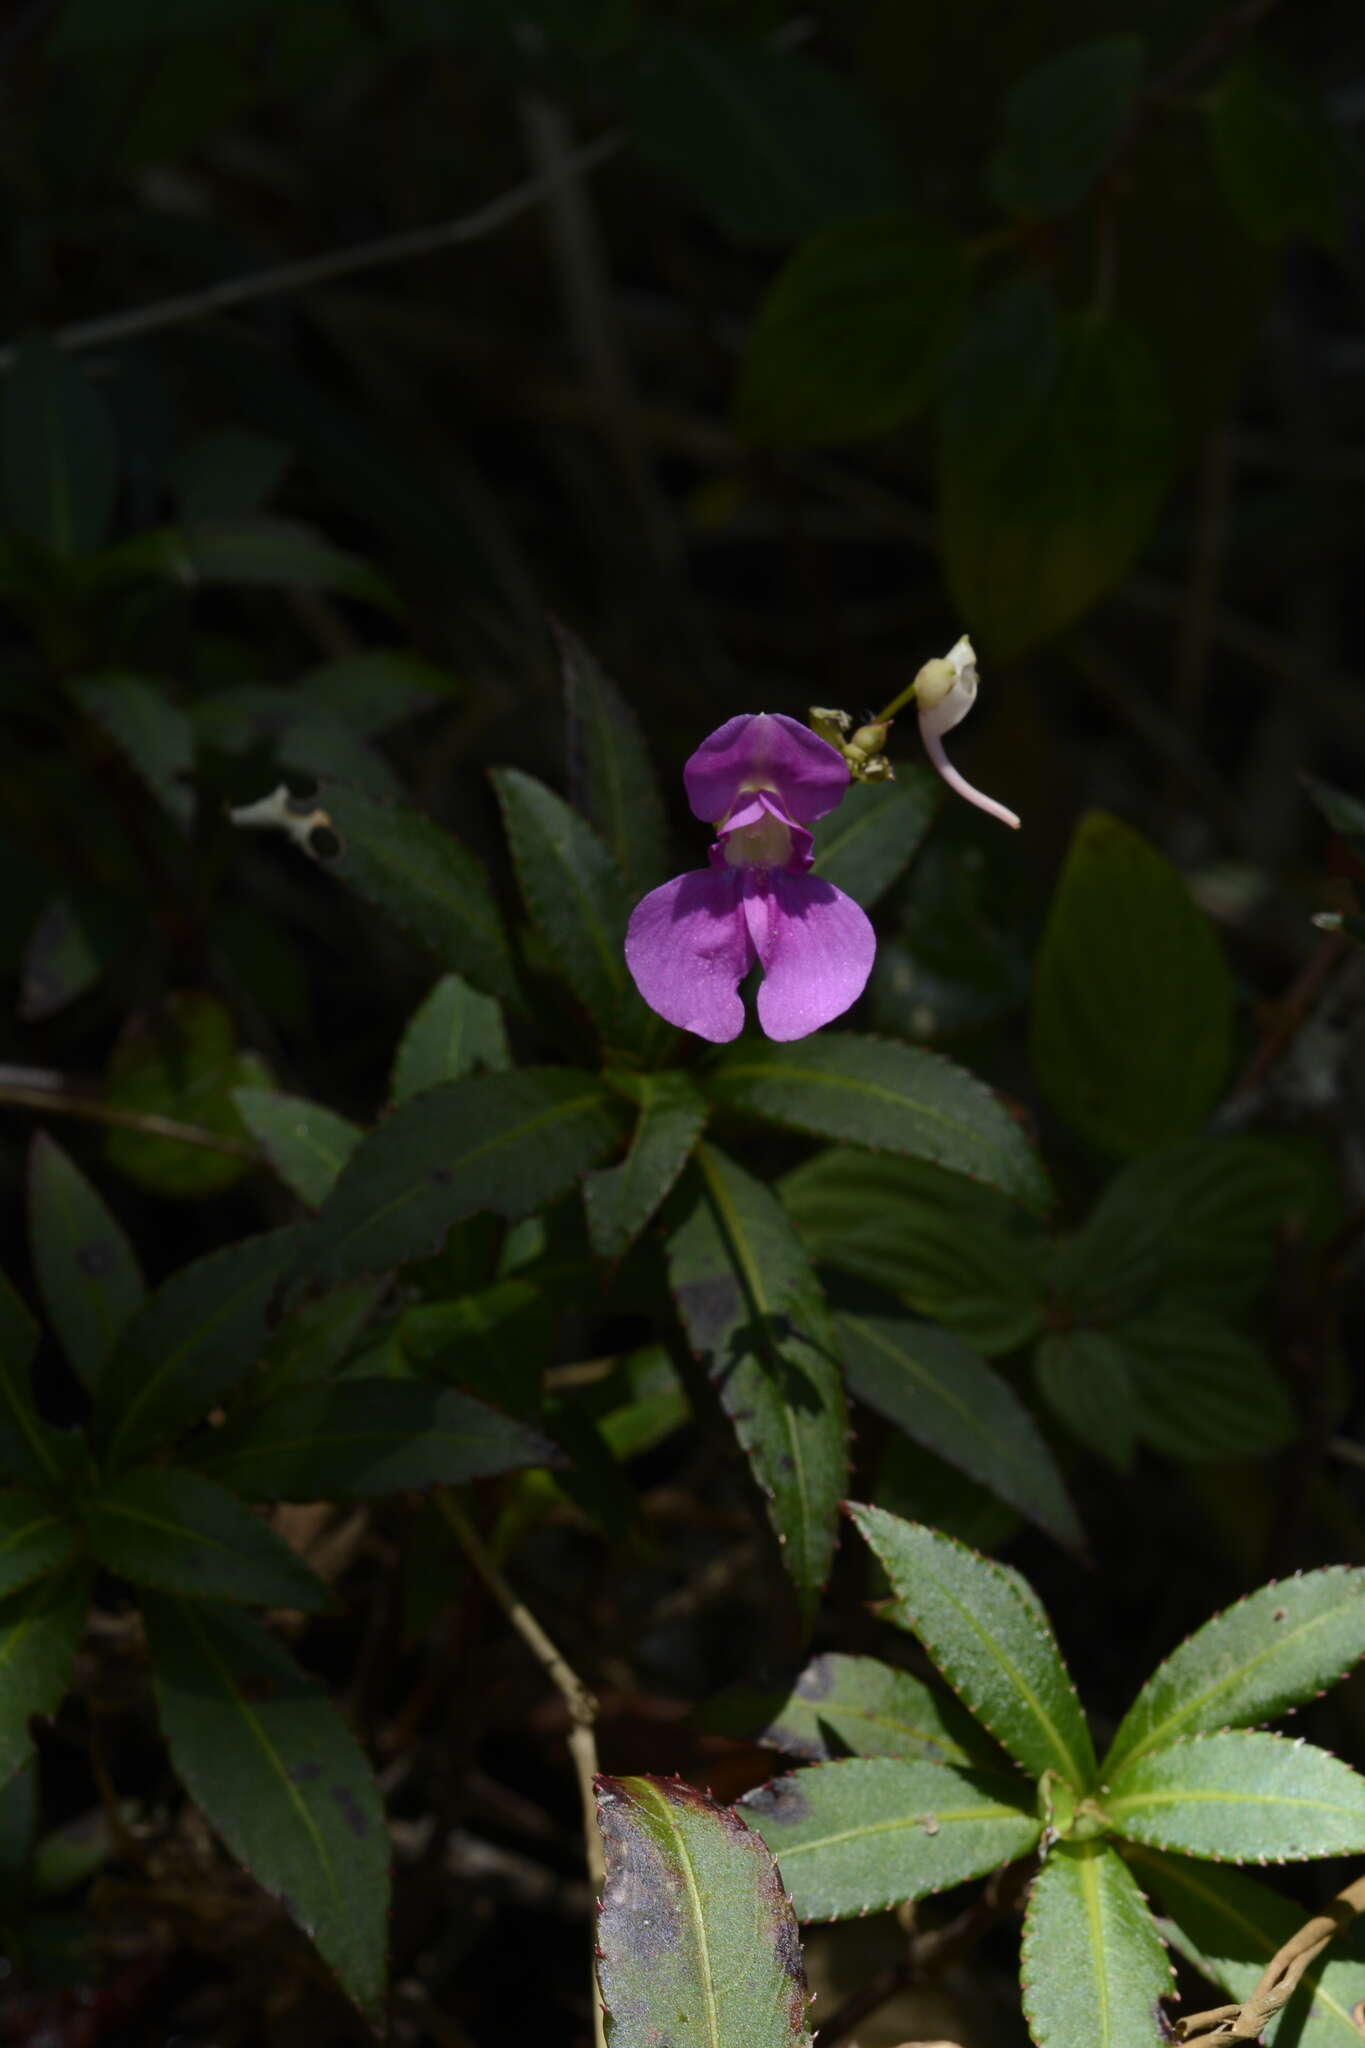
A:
(1245, 2022)
(54, 1095)
(576, 1696)
(282, 279)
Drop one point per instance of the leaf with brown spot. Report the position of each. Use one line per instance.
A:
(697, 1941)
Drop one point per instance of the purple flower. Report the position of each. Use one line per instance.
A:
(763, 779)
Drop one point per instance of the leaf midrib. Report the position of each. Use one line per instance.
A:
(505, 1134)
(1075, 1772)
(944, 1816)
(752, 1279)
(684, 1860)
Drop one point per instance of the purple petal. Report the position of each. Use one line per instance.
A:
(774, 752)
(688, 948)
(816, 947)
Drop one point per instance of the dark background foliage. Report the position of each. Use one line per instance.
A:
(804, 339)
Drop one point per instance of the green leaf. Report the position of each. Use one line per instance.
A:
(1063, 122)
(1084, 1377)
(370, 693)
(19, 1802)
(1054, 454)
(86, 1269)
(990, 1640)
(265, 551)
(1093, 1967)
(696, 1938)
(40, 1629)
(181, 1062)
(185, 1534)
(1283, 1644)
(1276, 154)
(280, 1776)
(1132, 999)
(452, 1032)
(755, 1319)
(413, 871)
(848, 342)
(855, 1704)
(611, 777)
(1230, 1926)
(620, 1200)
(154, 735)
(506, 1143)
(366, 1437)
(931, 1385)
(1240, 1796)
(962, 1255)
(306, 1144)
(35, 1537)
(1199, 1220)
(197, 1337)
(27, 1446)
(576, 895)
(859, 1836)
(889, 1097)
(867, 844)
(59, 456)
(1204, 1390)
(769, 143)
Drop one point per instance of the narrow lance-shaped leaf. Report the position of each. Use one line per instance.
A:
(365, 1437)
(1093, 1966)
(990, 1640)
(86, 1268)
(755, 1318)
(415, 872)
(35, 1537)
(575, 893)
(858, 1836)
(1283, 1644)
(934, 1387)
(450, 1034)
(277, 1772)
(507, 1143)
(1230, 1926)
(889, 1097)
(696, 1938)
(182, 1532)
(612, 779)
(198, 1335)
(40, 1629)
(306, 1143)
(855, 1704)
(620, 1200)
(27, 1447)
(1240, 1796)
